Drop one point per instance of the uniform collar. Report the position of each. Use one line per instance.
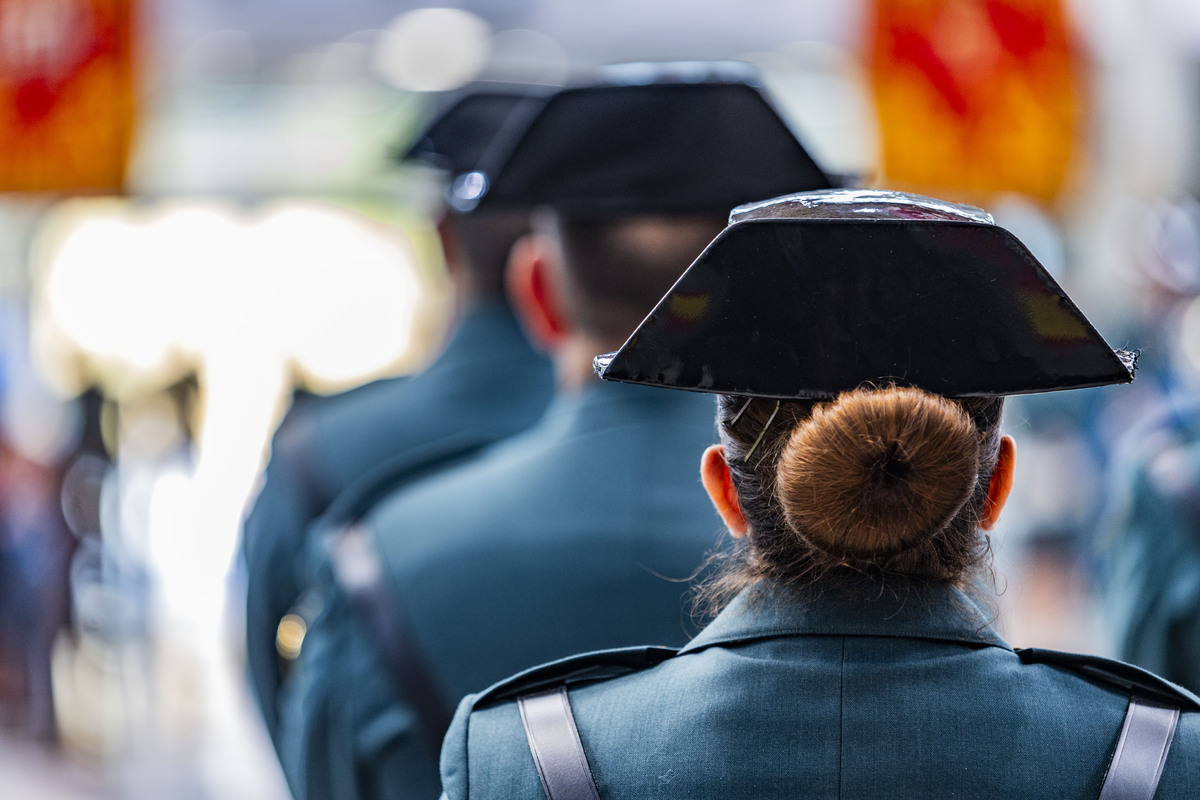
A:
(937, 612)
(478, 326)
(602, 404)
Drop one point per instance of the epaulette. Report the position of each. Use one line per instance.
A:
(1109, 672)
(586, 668)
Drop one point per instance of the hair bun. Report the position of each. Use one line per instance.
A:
(876, 472)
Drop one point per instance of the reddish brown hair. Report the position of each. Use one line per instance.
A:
(888, 481)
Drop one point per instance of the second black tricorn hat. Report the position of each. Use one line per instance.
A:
(645, 138)
(458, 136)
(809, 295)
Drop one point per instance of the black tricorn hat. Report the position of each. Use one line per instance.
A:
(813, 294)
(645, 138)
(458, 136)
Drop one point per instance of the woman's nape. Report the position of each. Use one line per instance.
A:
(892, 481)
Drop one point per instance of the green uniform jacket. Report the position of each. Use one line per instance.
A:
(908, 695)
(1151, 544)
(487, 384)
(576, 535)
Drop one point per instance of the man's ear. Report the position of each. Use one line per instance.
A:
(534, 283)
(714, 474)
(1001, 485)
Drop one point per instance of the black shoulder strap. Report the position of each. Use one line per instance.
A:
(599, 665)
(359, 570)
(360, 573)
(554, 743)
(1137, 763)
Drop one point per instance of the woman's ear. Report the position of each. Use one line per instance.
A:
(714, 474)
(533, 280)
(1001, 485)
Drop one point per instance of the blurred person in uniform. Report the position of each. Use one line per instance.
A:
(1150, 537)
(488, 383)
(1151, 542)
(519, 555)
(861, 470)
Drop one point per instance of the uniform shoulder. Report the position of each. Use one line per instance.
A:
(508, 739)
(310, 407)
(369, 393)
(392, 475)
(1116, 674)
(600, 665)
(503, 471)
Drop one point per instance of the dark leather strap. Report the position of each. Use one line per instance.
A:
(1137, 763)
(360, 573)
(554, 743)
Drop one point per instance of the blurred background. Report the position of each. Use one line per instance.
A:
(200, 218)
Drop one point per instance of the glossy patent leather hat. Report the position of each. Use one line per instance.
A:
(644, 138)
(813, 294)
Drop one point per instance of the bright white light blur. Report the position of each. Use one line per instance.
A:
(433, 49)
(342, 295)
(244, 299)
(241, 394)
(105, 294)
(176, 546)
(197, 246)
(306, 282)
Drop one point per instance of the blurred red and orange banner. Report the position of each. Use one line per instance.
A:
(67, 100)
(976, 97)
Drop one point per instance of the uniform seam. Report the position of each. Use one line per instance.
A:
(466, 746)
(841, 717)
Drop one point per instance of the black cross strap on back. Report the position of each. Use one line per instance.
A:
(360, 574)
(359, 570)
(1133, 774)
